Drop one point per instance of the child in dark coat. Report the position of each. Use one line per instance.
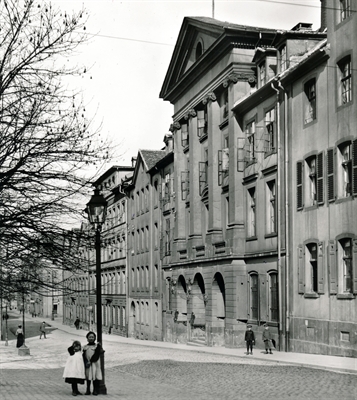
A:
(91, 355)
(74, 369)
(249, 339)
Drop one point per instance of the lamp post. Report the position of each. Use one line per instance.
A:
(96, 209)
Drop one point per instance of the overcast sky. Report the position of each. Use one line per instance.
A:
(132, 49)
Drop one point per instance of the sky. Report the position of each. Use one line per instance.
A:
(130, 50)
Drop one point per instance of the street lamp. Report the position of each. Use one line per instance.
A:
(96, 210)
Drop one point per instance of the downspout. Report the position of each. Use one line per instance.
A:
(279, 212)
(287, 237)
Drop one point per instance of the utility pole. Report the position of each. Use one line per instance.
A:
(212, 8)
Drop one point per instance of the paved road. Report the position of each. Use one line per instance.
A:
(135, 372)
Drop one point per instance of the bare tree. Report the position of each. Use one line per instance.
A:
(46, 141)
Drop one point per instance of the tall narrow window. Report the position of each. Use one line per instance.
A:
(184, 135)
(311, 268)
(202, 122)
(310, 101)
(345, 9)
(345, 265)
(312, 187)
(251, 213)
(344, 179)
(345, 79)
(270, 139)
(167, 238)
(250, 143)
(254, 297)
(283, 59)
(273, 297)
(271, 207)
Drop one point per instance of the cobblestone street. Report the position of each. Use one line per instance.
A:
(135, 372)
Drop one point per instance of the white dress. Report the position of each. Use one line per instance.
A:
(74, 368)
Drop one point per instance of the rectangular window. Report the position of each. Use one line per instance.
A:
(250, 143)
(184, 135)
(283, 59)
(273, 297)
(344, 162)
(270, 135)
(311, 268)
(345, 80)
(310, 101)
(254, 297)
(251, 212)
(345, 9)
(271, 206)
(223, 166)
(202, 122)
(345, 265)
(167, 238)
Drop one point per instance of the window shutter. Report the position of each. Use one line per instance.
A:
(320, 269)
(354, 168)
(299, 185)
(240, 158)
(330, 175)
(332, 267)
(301, 272)
(220, 172)
(320, 178)
(354, 266)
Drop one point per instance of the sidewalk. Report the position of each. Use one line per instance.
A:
(316, 361)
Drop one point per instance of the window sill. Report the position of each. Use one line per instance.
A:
(313, 207)
(343, 199)
(311, 296)
(345, 296)
(308, 124)
(343, 106)
(251, 238)
(270, 235)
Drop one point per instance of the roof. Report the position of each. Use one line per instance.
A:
(151, 157)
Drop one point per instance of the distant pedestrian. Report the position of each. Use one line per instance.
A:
(43, 330)
(76, 323)
(91, 355)
(20, 336)
(249, 339)
(267, 339)
(74, 369)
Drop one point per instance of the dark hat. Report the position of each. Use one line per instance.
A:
(265, 325)
(249, 326)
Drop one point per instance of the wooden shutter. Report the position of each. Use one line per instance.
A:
(184, 185)
(354, 168)
(301, 270)
(320, 268)
(220, 172)
(299, 185)
(320, 178)
(330, 175)
(354, 266)
(332, 267)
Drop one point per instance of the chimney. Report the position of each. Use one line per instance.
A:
(168, 142)
(323, 16)
(133, 161)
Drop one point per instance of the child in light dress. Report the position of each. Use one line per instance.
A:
(91, 355)
(74, 369)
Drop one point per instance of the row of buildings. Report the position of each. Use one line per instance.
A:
(248, 213)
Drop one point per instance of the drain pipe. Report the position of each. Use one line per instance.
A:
(279, 211)
(287, 237)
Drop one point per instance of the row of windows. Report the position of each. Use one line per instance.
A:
(342, 262)
(115, 215)
(142, 313)
(140, 240)
(340, 170)
(140, 278)
(112, 282)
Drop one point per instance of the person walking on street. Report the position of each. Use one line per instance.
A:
(249, 339)
(74, 369)
(76, 323)
(20, 336)
(91, 354)
(43, 330)
(267, 338)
